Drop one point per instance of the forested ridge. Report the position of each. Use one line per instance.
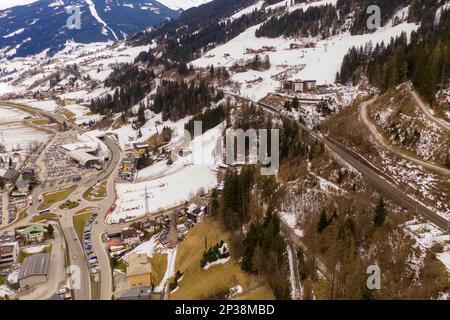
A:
(425, 61)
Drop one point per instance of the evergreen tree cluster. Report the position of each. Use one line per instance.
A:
(217, 252)
(313, 22)
(294, 143)
(186, 46)
(425, 60)
(177, 100)
(380, 213)
(126, 73)
(264, 253)
(359, 7)
(122, 100)
(209, 119)
(236, 197)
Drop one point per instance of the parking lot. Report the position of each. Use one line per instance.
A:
(87, 245)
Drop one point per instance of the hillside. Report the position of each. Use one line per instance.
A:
(38, 26)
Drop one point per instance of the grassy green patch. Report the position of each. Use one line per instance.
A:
(40, 122)
(46, 216)
(69, 205)
(95, 193)
(198, 283)
(51, 198)
(79, 221)
(159, 265)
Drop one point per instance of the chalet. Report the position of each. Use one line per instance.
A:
(195, 212)
(114, 246)
(307, 45)
(252, 51)
(128, 163)
(184, 152)
(137, 293)
(269, 48)
(130, 236)
(293, 46)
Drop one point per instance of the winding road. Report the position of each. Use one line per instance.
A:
(364, 116)
(441, 123)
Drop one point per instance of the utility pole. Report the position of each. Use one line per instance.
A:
(146, 202)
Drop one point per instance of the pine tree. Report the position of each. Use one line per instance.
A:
(323, 222)
(380, 213)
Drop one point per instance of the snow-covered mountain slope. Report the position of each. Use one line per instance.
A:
(13, 3)
(182, 4)
(309, 58)
(41, 25)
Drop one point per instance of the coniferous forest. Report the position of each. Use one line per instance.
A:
(312, 22)
(176, 100)
(425, 60)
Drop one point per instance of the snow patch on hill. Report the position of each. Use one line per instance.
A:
(182, 4)
(170, 185)
(5, 4)
(94, 13)
(321, 63)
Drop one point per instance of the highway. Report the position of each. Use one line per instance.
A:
(373, 175)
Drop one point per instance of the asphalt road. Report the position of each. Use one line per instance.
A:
(100, 227)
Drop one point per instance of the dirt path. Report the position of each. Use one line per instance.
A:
(427, 111)
(363, 113)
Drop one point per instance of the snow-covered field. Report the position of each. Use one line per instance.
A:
(44, 105)
(171, 185)
(17, 136)
(35, 249)
(5, 291)
(12, 3)
(9, 114)
(82, 114)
